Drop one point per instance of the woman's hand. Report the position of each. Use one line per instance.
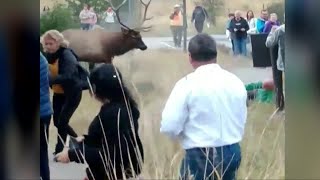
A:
(79, 139)
(63, 157)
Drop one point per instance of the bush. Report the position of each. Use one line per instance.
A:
(213, 8)
(59, 18)
(279, 9)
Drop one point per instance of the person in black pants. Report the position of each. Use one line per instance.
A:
(112, 148)
(45, 117)
(67, 80)
(199, 15)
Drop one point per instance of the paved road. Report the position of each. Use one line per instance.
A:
(248, 74)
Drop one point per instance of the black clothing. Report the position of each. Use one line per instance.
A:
(120, 146)
(63, 108)
(242, 23)
(44, 138)
(199, 15)
(72, 77)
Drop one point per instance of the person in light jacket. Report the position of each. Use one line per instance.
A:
(277, 37)
(252, 21)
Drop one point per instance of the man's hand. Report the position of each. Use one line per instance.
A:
(243, 29)
(235, 29)
(63, 157)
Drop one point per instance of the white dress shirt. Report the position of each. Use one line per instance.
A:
(207, 108)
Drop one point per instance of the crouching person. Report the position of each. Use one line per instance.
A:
(112, 148)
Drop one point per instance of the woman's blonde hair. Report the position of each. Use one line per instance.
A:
(57, 36)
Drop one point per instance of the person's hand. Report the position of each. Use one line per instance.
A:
(274, 28)
(79, 139)
(63, 156)
(235, 29)
(85, 178)
(243, 29)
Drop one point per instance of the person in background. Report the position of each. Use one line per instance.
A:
(252, 21)
(199, 15)
(113, 134)
(109, 16)
(239, 26)
(273, 21)
(93, 18)
(230, 35)
(66, 83)
(261, 21)
(277, 37)
(45, 117)
(207, 111)
(85, 18)
(176, 25)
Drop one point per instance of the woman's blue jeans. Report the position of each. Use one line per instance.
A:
(240, 46)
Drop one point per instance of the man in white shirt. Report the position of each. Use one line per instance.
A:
(207, 112)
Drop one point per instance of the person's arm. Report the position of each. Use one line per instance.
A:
(246, 25)
(260, 25)
(231, 27)
(273, 38)
(193, 16)
(171, 16)
(67, 70)
(175, 112)
(206, 14)
(267, 27)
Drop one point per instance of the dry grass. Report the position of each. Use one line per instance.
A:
(154, 73)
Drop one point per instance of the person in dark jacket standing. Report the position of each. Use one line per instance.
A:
(239, 26)
(66, 83)
(45, 117)
(199, 15)
(112, 147)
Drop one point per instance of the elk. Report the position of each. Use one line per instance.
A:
(100, 46)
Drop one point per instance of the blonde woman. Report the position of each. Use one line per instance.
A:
(65, 82)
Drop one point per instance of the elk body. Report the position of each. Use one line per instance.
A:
(100, 46)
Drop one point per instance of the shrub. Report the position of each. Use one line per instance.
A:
(59, 18)
(279, 9)
(213, 8)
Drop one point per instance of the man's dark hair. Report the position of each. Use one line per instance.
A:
(202, 47)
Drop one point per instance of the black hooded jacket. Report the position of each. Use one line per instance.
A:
(72, 77)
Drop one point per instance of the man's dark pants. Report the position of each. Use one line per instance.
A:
(277, 78)
(208, 163)
(44, 138)
(199, 25)
(63, 108)
(177, 35)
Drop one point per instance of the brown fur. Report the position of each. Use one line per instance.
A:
(100, 46)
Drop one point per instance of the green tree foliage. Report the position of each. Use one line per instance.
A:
(279, 9)
(213, 8)
(59, 18)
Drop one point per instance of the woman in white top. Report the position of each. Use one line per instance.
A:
(109, 15)
(252, 22)
(93, 18)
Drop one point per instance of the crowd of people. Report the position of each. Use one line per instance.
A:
(239, 28)
(88, 18)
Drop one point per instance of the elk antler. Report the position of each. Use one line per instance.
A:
(116, 10)
(146, 6)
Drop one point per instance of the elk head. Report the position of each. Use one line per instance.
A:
(132, 37)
